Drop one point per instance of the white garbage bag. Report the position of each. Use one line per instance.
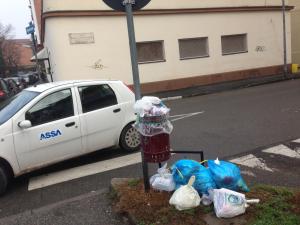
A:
(186, 197)
(229, 203)
(207, 200)
(163, 180)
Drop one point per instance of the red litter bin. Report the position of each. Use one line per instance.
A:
(156, 148)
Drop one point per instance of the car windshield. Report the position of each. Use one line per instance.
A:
(12, 105)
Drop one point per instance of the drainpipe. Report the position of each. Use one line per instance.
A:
(285, 67)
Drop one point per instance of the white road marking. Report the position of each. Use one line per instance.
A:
(282, 150)
(171, 98)
(297, 141)
(82, 171)
(184, 116)
(248, 173)
(252, 162)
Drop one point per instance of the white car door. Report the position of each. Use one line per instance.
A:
(55, 133)
(101, 116)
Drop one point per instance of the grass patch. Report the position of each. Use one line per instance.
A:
(133, 182)
(276, 209)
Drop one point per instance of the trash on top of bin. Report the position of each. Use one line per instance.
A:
(182, 170)
(152, 117)
(228, 204)
(227, 175)
(163, 180)
(186, 197)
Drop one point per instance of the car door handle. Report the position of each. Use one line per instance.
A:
(70, 124)
(117, 110)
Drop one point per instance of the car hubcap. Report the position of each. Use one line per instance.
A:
(132, 138)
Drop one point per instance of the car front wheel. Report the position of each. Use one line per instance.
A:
(130, 139)
(3, 179)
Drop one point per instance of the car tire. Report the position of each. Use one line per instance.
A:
(130, 140)
(4, 178)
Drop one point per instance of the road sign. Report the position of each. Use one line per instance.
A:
(30, 29)
(119, 4)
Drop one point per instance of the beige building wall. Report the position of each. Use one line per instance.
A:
(295, 24)
(108, 57)
(110, 52)
(53, 5)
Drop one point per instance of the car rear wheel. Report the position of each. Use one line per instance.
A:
(130, 139)
(3, 179)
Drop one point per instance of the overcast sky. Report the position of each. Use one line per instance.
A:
(16, 13)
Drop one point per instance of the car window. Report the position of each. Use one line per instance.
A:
(55, 106)
(12, 105)
(96, 97)
(4, 85)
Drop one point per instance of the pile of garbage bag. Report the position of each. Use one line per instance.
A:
(219, 183)
(152, 117)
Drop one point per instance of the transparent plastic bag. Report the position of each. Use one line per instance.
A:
(182, 170)
(229, 203)
(227, 175)
(163, 180)
(186, 197)
(152, 117)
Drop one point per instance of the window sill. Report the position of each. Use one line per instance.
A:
(195, 57)
(234, 53)
(148, 62)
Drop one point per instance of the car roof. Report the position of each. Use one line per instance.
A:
(47, 86)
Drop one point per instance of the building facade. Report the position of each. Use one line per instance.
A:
(180, 44)
(295, 24)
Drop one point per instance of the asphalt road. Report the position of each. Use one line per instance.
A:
(228, 124)
(239, 121)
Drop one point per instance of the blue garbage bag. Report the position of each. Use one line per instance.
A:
(227, 175)
(182, 171)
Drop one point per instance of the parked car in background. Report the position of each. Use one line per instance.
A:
(30, 78)
(5, 91)
(17, 80)
(52, 122)
(12, 85)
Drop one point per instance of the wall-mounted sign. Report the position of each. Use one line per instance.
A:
(81, 38)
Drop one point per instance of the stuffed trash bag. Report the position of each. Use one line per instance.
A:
(163, 180)
(227, 175)
(182, 170)
(228, 204)
(186, 197)
(152, 117)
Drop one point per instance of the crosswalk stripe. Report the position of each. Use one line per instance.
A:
(252, 162)
(282, 150)
(297, 141)
(82, 171)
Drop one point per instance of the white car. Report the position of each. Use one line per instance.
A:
(53, 122)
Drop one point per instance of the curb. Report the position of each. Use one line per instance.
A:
(221, 87)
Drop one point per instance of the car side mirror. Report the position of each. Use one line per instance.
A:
(25, 124)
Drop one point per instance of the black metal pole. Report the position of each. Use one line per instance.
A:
(136, 77)
(285, 68)
(35, 55)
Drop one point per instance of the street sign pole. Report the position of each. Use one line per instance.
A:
(136, 78)
(133, 51)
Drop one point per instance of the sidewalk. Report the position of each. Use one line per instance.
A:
(89, 209)
(213, 88)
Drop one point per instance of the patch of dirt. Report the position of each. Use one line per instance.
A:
(295, 201)
(153, 207)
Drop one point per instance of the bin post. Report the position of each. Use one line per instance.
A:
(136, 77)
